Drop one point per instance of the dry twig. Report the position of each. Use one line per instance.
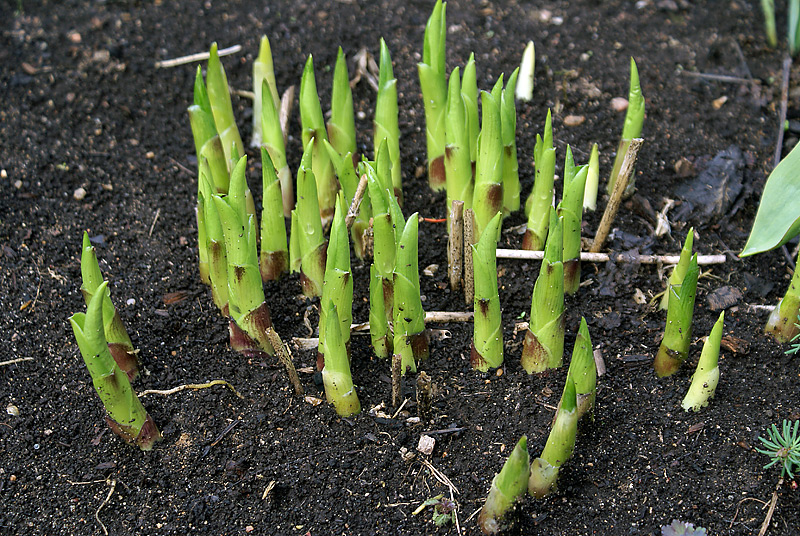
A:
(108, 497)
(183, 387)
(200, 56)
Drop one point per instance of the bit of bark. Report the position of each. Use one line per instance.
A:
(455, 244)
(125, 358)
(355, 206)
(285, 111)
(310, 287)
(420, 345)
(424, 397)
(532, 242)
(469, 240)
(285, 358)
(476, 359)
(572, 276)
(436, 173)
(243, 343)
(273, 265)
(535, 356)
(628, 165)
(494, 197)
(668, 361)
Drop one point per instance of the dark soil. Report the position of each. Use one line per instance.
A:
(83, 107)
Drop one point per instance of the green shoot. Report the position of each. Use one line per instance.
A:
(410, 335)
(219, 96)
(125, 414)
(457, 162)
(487, 337)
(274, 257)
(793, 22)
(201, 118)
(273, 142)
(469, 92)
(346, 173)
(434, 92)
(214, 244)
(544, 340)
(634, 119)
(508, 115)
(541, 197)
(307, 227)
(386, 125)
(508, 486)
(780, 323)
(592, 180)
(583, 371)
(488, 198)
(119, 342)
(336, 376)
(571, 212)
(342, 126)
(768, 9)
(524, 89)
(783, 446)
(679, 272)
(706, 376)
(263, 78)
(674, 347)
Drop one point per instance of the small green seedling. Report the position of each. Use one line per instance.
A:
(783, 446)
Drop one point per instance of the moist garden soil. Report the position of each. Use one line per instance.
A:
(84, 107)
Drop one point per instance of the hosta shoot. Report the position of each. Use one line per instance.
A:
(524, 89)
(434, 92)
(119, 342)
(541, 197)
(674, 346)
(544, 340)
(336, 376)
(263, 78)
(348, 179)
(457, 161)
(337, 289)
(559, 447)
(488, 198)
(307, 228)
(273, 142)
(342, 125)
(215, 245)
(634, 120)
(706, 376)
(487, 337)
(469, 92)
(125, 414)
(679, 272)
(592, 180)
(274, 256)
(570, 210)
(219, 96)
(201, 118)
(313, 126)
(781, 322)
(508, 117)
(508, 486)
(386, 125)
(583, 371)
(410, 335)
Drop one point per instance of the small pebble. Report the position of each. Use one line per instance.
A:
(130, 301)
(619, 104)
(17, 184)
(79, 194)
(717, 103)
(3, 174)
(150, 155)
(12, 410)
(574, 120)
(75, 37)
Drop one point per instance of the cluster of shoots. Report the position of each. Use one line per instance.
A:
(108, 354)
(539, 477)
(541, 198)
(487, 338)
(793, 24)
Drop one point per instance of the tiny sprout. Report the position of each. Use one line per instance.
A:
(783, 447)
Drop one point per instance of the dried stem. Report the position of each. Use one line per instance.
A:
(397, 380)
(628, 165)
(469, 240)
(523, 254)
(455, 244)
(190, 386)
(424, 396)
(200, 56)
(355, 206)
(285, 357)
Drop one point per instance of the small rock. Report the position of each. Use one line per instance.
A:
(426, 444)
(74, 37)
(574, 120)
(619, 104)
(430, 270)
(150, 155)
(17, 184)
(717, 103)
(79, 194)
(724, 297)
(3, 174)
(12, 410)
(131, 301)
(684, 168)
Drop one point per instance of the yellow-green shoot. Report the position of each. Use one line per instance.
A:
(201, 117)
(541, 197)
(263, 79)
(348, 180)
(306, 232)
(469, 92)
(219, 96)
(434, 92)
(337, 289)
(781, 322)
(336, 376)
(119, 342)
(386, 125)
(524, 88)
(570, 210)
(125, 414)
(508, 486)
(273, 142)
(313, 126)
(508, 117)
(706, 375)
(679, 272)
(487, 335)
(457, 161)
(634, 119)
(410, 335)
(274, 255)
(583, 371)
(559, 447)
(342, 125)
(488, 198)
(674, 346)
(592, 180)
(214, 243)
(543, 347)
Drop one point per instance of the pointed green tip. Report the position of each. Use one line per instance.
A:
(569, 400)
(583, 330)
(86, 243)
